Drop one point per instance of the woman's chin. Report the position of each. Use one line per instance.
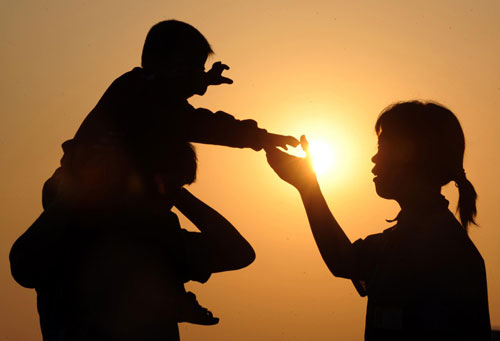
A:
(383, 191)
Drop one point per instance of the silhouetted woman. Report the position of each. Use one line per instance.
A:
(424, 277)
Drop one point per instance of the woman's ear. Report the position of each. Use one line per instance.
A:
(406, 152)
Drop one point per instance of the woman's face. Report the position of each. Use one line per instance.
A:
(393, 168)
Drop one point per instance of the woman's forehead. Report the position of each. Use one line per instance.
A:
(396, 140)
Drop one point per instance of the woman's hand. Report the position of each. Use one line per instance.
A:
(295, 170)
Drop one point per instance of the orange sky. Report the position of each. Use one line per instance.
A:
(324, 68)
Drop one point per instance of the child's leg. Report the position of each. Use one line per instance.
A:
(191, 311)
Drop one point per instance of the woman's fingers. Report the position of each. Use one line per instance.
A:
(304, 143)
(295, 170)
(281, 161)
(305, 147)
(272, 154)
(292, 141)
(273, 157)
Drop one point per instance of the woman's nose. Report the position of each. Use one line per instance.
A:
(374, 158)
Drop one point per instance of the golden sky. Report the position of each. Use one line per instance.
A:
(324, 68)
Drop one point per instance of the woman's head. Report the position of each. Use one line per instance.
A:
(422, 143)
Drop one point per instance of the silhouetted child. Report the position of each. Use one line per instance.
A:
(424, 278)
(120, 148)
(146, 109)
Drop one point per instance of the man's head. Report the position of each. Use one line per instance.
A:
(176, 168)
(177, 50)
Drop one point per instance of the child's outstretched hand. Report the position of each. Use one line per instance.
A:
(214, 75)
(275, 140)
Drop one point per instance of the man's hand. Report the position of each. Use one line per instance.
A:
(214, 75)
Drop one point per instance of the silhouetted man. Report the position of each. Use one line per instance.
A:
(115, 270)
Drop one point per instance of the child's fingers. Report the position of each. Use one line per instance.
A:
(219, 66)
(226, 80)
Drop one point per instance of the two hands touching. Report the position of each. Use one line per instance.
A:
(297, 171)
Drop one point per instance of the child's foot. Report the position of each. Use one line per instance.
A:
(191, 311)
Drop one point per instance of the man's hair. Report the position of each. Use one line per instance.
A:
(174, 41)
(178, 163)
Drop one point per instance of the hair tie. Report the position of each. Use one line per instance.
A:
(460, 177)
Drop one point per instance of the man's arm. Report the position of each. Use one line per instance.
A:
(230, 251)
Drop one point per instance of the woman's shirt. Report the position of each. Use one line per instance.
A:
(424, 278)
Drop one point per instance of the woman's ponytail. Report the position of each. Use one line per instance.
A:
(466, 200)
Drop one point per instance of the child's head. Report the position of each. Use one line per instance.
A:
(177, 49)
(422, 144)
(174, 42)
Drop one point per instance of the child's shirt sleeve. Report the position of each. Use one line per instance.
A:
(203, 126)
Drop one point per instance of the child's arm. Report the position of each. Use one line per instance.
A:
(220, 128)
(229, 250)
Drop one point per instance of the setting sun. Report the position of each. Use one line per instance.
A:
(322, 155)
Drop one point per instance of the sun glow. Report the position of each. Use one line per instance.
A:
(334, 144)
(323, 156)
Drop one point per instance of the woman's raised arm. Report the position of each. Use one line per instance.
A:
(332, 242)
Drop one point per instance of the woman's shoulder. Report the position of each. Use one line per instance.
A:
(454, 238)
